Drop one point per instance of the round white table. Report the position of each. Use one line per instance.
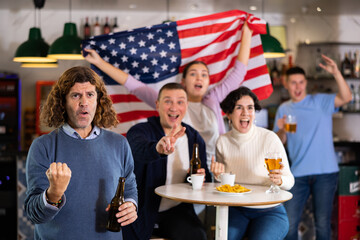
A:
(208, 195)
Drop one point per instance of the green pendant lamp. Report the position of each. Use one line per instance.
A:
(67, 47)
(271, 46)
(34, 49)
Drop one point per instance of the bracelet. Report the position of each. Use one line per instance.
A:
(56, 204)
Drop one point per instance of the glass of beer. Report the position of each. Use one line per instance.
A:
(290, 124)
(273, 161)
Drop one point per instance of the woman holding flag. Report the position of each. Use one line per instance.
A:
(204, 113)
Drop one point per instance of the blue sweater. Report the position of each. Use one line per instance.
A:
(150, 171)
(96, 166)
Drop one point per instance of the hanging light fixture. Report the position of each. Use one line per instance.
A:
(35, 48)
(67, 47)
(271, 46)
(167, 12)
(39, 64)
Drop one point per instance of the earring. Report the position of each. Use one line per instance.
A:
(229, 122)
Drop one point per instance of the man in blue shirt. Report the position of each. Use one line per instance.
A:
(311, 150)
(72, 173)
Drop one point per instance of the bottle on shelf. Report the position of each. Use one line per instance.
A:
(112, 224)
(357, 65)
(275, 74)
(115, 27)
(106, 29)
(87, 30)
(282, 79)
(351, 104)
(356, 96)
(195, 162)
(97, 28)
(290, 63)
(318, 60)
(346, 66)
(353, 63)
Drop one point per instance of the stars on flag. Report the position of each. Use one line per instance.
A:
(150, 54)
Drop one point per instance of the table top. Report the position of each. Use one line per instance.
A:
(208, 195)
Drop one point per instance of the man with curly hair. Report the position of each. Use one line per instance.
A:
(72, 172)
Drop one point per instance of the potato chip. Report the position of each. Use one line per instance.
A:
(232, 189)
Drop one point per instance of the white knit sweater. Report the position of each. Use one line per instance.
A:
(243, 154)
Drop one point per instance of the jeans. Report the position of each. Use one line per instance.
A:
(322, 187)
(264, 223)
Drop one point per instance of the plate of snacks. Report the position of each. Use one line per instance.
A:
(235, 190)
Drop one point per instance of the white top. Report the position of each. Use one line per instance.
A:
(244, 155)
(177, 166)
(203, 119)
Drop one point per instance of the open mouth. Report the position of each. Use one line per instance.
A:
(298, 93)
(198, 86)
(173, 117)
(83, 113)
(244, 123)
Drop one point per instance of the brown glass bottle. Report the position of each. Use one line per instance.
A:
(346, 66)
(195, 162)
(87, 30)
(115, 27)
(112, 224)
(106, 26)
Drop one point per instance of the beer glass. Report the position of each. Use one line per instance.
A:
(290, 124)
(273, 161)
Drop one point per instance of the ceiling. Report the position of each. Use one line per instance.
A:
(288, 7)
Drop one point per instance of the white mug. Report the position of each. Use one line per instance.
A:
(196, 180)
(227, 178)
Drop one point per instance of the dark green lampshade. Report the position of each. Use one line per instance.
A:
(272, 47)
(68, 46)
(35, 49)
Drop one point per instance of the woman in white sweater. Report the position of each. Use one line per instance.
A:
(242, 151)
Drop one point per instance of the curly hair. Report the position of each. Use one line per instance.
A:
(53, 113)
(228, 104)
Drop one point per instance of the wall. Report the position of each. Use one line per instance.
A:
(14, 26)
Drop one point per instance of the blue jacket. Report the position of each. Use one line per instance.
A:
(150, 170)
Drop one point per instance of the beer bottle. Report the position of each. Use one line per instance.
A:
(195, 162)
(112, 224)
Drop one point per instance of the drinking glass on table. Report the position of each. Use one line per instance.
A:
(273, 161)
(290, 123)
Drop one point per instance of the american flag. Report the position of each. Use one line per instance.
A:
(158, 54)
